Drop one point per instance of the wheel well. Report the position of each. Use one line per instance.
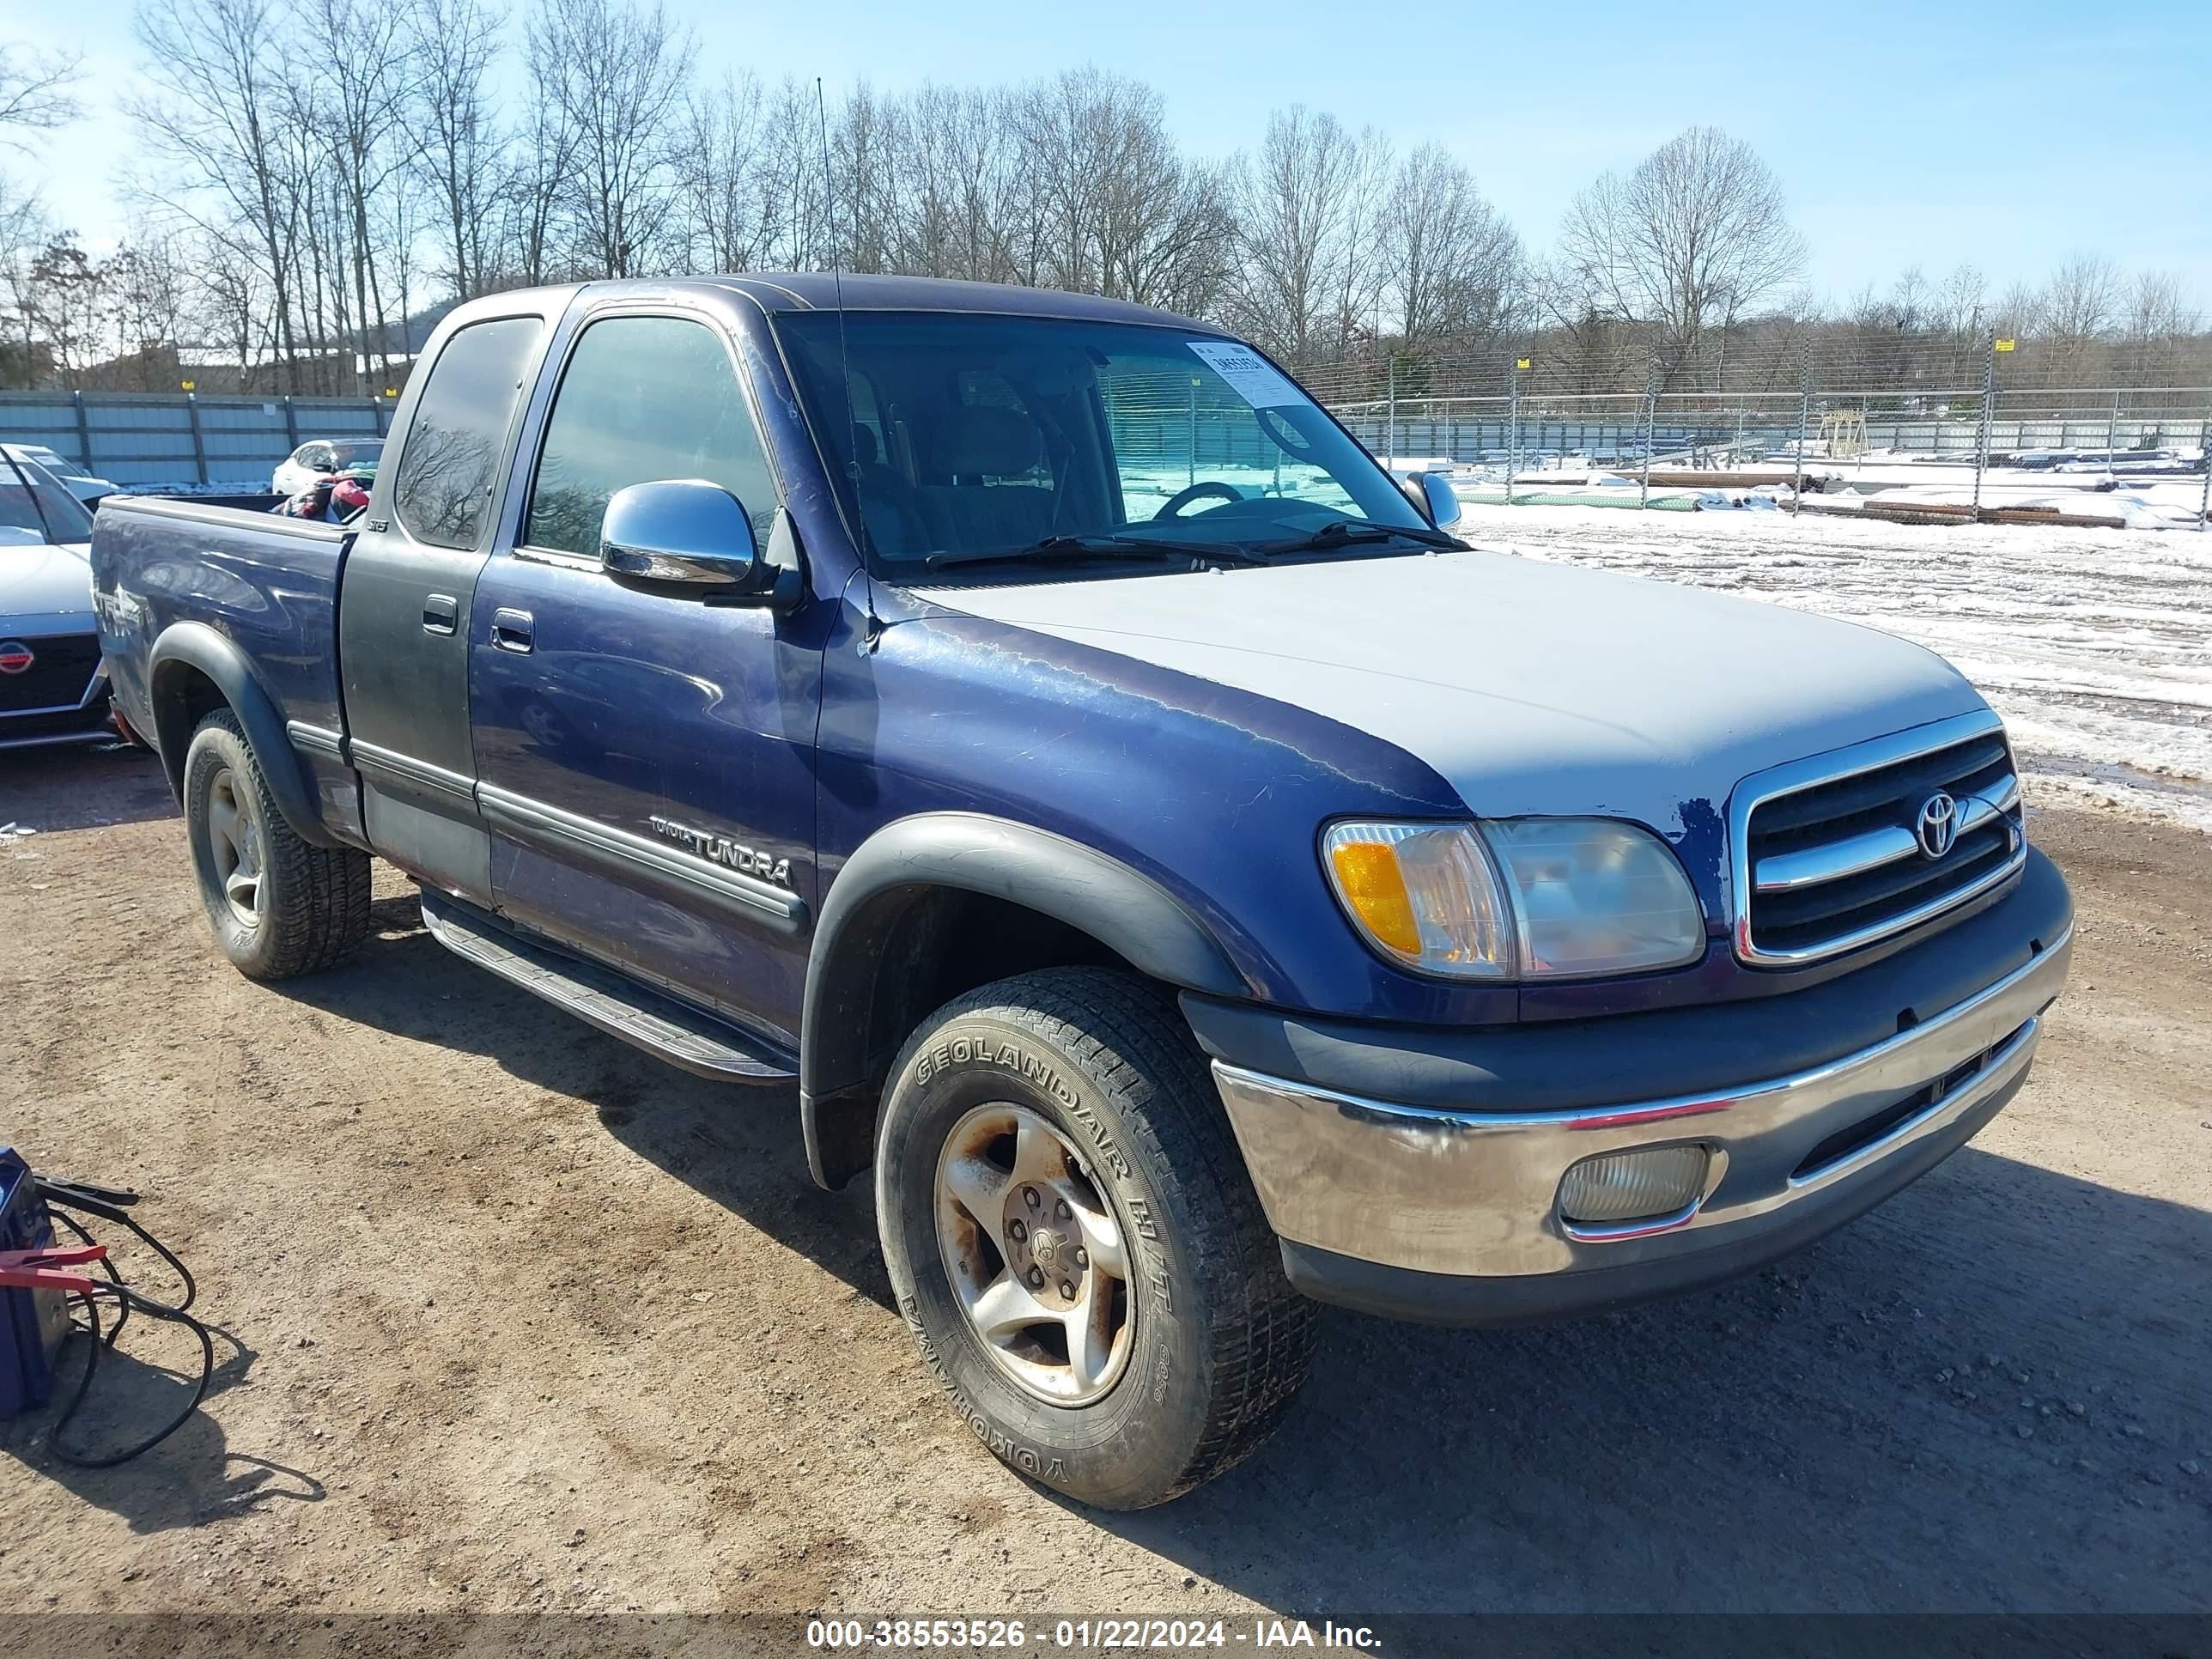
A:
(183, 696)
(929, 944)
(949, 942)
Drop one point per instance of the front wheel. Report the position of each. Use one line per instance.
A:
(1074, 1242)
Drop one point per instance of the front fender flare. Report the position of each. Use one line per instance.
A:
(841, 1051)
(195, 645)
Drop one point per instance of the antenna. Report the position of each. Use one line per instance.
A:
(844, 351)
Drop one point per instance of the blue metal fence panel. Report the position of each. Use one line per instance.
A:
(171, 440)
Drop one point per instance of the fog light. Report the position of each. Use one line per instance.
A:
(1634, 1186)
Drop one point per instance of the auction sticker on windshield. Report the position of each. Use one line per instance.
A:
(1250, 376)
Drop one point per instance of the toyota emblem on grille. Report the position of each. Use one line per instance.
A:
(16, 657)
(1938, 825)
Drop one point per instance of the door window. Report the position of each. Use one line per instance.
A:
(450, 461)
(644, 399)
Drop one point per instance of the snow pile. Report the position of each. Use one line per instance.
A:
(2095, 645)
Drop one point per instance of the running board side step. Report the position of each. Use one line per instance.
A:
(599, 996)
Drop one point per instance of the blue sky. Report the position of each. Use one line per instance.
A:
(2006, 135)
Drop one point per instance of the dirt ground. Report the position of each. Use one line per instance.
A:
(513, 1317)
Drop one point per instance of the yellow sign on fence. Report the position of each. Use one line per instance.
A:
(2007, 345)
(1522, 362)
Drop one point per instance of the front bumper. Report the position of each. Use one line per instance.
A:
(43, 710)
(1423, 1211)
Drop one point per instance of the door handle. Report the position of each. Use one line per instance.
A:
(440, 613)
(511, 630)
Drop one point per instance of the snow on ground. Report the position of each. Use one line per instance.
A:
(2094, 645)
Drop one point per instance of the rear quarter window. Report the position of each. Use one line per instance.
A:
(450, 461)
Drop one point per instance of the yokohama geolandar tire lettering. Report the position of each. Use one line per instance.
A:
(279, 907)
(1099, 1065)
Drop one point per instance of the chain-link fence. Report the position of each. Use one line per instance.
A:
(1948, 413)
(1618, 429)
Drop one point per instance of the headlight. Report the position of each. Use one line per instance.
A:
(1595, 895)
(1424, 894)
(1531, 897)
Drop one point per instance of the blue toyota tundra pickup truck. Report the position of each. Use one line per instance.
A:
(1195, 883)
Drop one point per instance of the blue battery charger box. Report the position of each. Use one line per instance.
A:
(32, 1323)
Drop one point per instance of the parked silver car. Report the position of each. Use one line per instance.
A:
(80, 483)
(319, 457)
(53, 686)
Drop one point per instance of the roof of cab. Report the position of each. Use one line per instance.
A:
(821, 291)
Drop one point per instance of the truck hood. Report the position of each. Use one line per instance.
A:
(42, 585)
(1533, 689)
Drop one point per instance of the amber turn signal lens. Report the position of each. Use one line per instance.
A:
(1367, 875)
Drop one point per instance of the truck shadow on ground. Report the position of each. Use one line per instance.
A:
(739, 1146)
(1982, 1396)
(1985, 1394)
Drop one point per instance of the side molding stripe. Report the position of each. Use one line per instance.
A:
(413, 777)
(317, 740)
(635, 860)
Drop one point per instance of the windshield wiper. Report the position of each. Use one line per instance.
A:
(1071, 548)
(1346, 532)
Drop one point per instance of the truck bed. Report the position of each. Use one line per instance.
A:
(267, 584)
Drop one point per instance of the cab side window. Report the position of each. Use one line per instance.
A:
(449, 462)
(644, 399)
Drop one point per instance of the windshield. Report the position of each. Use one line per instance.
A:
(984, 434)
(37, 507)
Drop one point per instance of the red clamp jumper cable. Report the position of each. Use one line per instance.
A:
(45, 1269)
(37, 1270)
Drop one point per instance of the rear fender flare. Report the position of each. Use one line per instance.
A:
(197, 645)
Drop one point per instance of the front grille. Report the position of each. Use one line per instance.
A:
(1832, 856)
(58, 678)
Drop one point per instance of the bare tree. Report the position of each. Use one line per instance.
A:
(964, 186)
(215, 110)
(35, 95)
(2080, 301)
(727, 209)
(2155, 311)
(233, 293)
(151, 299)
(68, 297)
(2014, 311)
(1961, 302)
(1694, 237)
(619, 74)
(531, 195)
(454, 45)
(1117, 209)
(1301, 205)
(2074, 313)
(356, 98)
(1453, 264)
(23, 231)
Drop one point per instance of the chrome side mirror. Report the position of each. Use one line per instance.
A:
(681, 530)
(1433, 494)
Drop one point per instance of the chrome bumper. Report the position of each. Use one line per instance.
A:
(1477, 1194)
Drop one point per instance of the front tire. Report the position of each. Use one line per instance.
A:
(1073, 1240)
(278, 905)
